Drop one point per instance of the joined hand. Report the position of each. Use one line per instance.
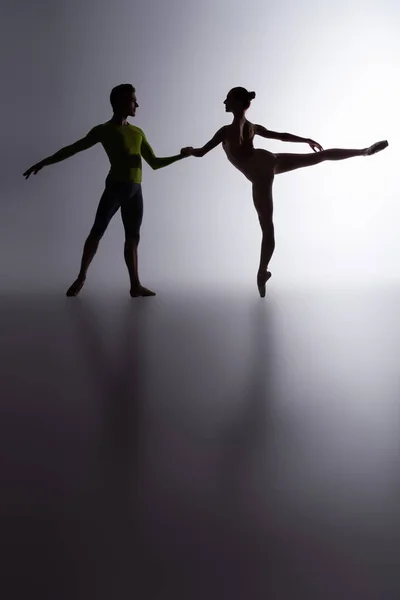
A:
(188, 151)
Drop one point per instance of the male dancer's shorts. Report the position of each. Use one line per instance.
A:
(124, 195)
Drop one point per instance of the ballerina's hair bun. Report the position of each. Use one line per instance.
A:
(252, 95)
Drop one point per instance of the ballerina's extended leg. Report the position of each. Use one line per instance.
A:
(290, 162)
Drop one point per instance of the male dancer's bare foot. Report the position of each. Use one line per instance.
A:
(377, 147)
(141, 291)
(262, 279)
(75, 287)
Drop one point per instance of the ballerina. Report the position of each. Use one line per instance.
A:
(261, 166)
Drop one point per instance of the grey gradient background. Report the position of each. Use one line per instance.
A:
(203, 443)
(320, 69)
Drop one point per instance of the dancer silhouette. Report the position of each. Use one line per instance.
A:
(260, 166)
(125, 145)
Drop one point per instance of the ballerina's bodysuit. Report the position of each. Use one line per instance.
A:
(238, 146)
(239, 149)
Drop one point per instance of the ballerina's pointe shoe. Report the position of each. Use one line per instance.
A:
(261, 283)
(377, 147)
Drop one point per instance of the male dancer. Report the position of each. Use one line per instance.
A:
(124, 144)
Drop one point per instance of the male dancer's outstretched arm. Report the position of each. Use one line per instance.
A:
(156, 162)
(83, 144)
(285, 137)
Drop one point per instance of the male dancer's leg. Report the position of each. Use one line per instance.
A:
(132, 217)
(108, 206)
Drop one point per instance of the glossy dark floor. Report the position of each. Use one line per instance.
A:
(209, 445)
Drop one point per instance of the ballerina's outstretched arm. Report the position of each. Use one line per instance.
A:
(217, 139)
(285, 137)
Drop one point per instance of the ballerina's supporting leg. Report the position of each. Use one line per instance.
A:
(262, 197)
(290, 162)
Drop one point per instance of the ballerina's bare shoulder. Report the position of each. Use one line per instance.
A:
(238, 139)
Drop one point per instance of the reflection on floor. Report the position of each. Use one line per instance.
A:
(201, 446)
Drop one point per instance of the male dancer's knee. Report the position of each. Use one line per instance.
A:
(132, 241)
(96, 233)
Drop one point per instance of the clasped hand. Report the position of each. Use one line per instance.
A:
(188, 151)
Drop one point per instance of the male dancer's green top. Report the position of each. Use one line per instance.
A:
(125, 146)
